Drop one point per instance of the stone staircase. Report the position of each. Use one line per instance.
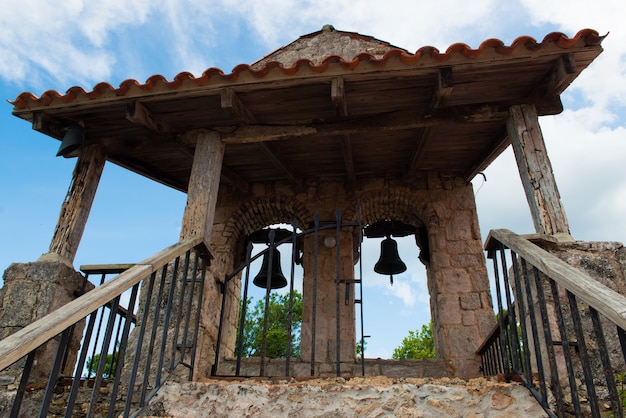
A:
(377, 396)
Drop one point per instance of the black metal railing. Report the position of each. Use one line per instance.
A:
(136, 329)
(559, 332)
(295, 238)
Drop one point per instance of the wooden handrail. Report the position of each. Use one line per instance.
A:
(17, 345)
(603, 299)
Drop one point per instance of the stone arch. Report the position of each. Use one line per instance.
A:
(260, 212)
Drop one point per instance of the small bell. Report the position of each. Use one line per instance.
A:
(277, 279)
(72, 140)
(389, 261)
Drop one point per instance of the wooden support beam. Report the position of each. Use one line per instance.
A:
(346, 149)
(138, 113)
(203, 186)
(535, 171)
(338, 96)
(280, 165)
(443, 88)
(77, 204)
(233, 104)
(500, 144)
(561, 76)
(48, 125)
(418, 151)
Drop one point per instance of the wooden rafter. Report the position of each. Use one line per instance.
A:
(561, 76)
(138, 113)
(232, 103)
(338, 96)
(280, 165)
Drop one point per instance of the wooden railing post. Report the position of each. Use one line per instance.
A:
(535, 171)
(77, 204)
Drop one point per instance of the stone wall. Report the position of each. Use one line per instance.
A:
(339, 397)
(442, 205)
(31, 291)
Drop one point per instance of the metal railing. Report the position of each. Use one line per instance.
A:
(136, 329)
(559, 332)
(293, 238)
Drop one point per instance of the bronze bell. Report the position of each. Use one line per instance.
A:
(72, 140)
(389, 261)
(277, 279)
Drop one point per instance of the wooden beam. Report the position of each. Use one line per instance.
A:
(233, 104)
(535, 170)
(356, 126)
(443, 88)
(77, 204)
(280, 165)
(230, 176)
(138, 113)
(203, 187)
(483, 161)
(346, 149)
(418, 151)
(48, 125)
(559, 78)
(338, 96)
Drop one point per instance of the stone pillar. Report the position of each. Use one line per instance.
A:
(77, 204)
(536, 171)
(31, 291)
(327, 304)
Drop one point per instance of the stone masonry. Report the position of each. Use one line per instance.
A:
(443, 205)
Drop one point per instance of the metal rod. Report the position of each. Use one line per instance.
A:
(54, 372)
(606, 363)
(316, 221)
(338, 290)
(584, 357)
(358, 214)
(71, 400)
(496, 270)
(545, 321)
(181, 298)
(140, 336)
(566, 347)
(204, 263)
(525, 368)
(166, 320)
(21, 390)
(122, 349)
(294, 226)
(268, 288)
(244, 309)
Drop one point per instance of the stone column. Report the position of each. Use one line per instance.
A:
(327, 304)
(536, 171)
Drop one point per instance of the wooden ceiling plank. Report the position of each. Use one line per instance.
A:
(230, 176)
(338, 96)
(280, 165)
(138, 113)
(483, 162)
(232, 103)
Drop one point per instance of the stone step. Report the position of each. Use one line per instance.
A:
(376, 396)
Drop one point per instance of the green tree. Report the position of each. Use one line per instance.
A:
(277, 329)
(417, 345)
(109, 366)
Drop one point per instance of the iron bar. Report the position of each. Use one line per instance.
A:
(181, 298)
(244, 309)
(513, 337)
(80, 365)
(545, 321)
(316, 220)
(268, 288)
(294, 226)
(192, 362)
(496, 270)
(140, 337)
(525, 369)
(338, 291)
(21, 390)
(196, 258)
(218, 344)
(54, 372)
(584, 357)
(358, 214)
(166, 320)
(122, 349)
(103, 355)
(606, 363)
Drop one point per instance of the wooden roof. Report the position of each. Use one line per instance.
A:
(330, 105)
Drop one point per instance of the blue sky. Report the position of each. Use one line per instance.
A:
(56, 45)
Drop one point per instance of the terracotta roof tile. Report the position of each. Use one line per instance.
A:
(586, 37)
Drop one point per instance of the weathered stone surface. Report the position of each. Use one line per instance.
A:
(339, 397)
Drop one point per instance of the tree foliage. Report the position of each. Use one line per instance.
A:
(109, 366)
(277, 330)
(417, 345)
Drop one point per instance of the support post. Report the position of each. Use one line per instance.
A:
(77, 204)
(535, 171)
(203, 185)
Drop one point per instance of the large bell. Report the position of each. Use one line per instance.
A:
(389, 262)
(277, 279)
(72, 140)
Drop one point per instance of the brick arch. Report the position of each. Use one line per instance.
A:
(397, 203)
(258, 213)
